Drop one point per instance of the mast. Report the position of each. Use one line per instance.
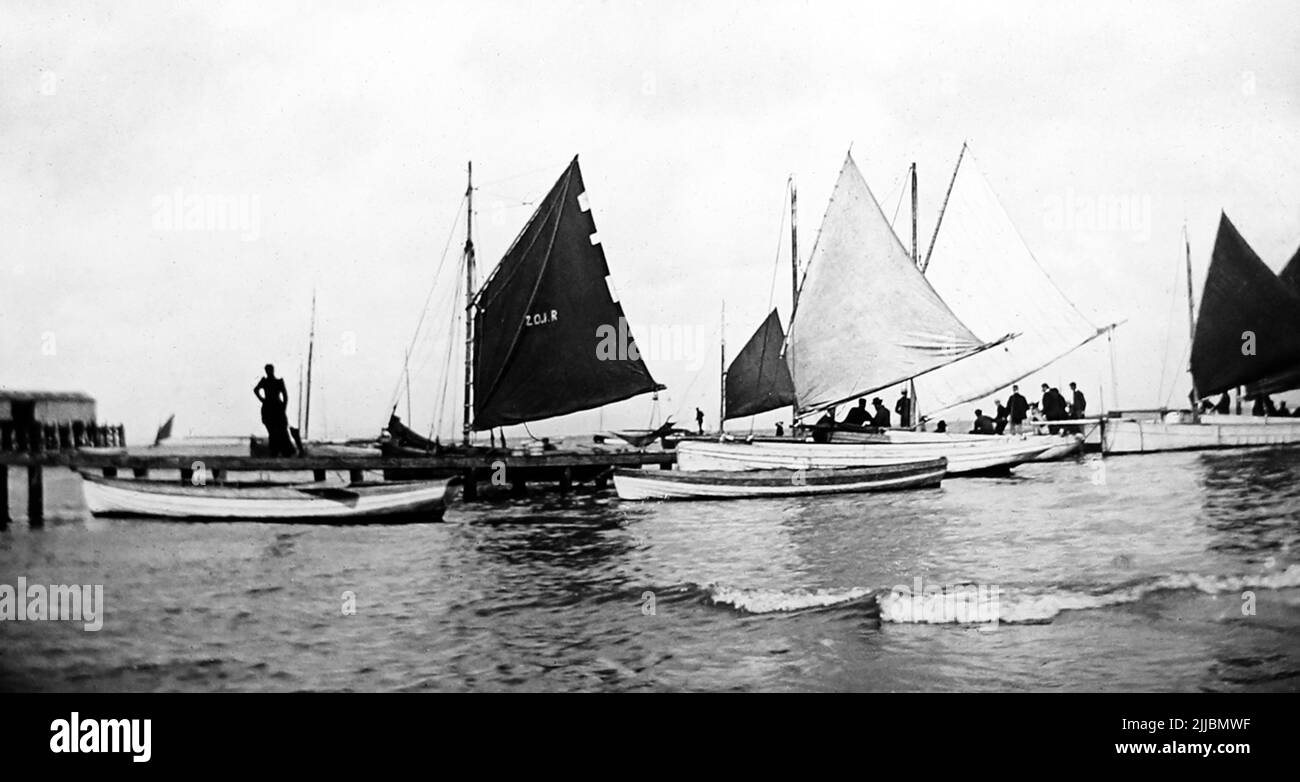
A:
(1191, 323)
(916, 259)
(943, 208)
(722, 365)
(299, 396)
(794, 272)
(311, 344)
(469, 298)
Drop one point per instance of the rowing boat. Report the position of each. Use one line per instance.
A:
(360, 503)
(634, 484)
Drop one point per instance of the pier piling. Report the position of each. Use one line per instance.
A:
(4, 496)
(35, 496)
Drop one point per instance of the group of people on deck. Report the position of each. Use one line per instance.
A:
(1262, 406)
(1018, 410)
(878, 415)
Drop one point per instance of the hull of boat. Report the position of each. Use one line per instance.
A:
(1057, 446)
(1121, 436)
(727, 484)
(965, 456)
(416, 501)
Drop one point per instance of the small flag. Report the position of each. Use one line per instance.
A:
(165, 431)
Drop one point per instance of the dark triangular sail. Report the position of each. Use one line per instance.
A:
(1248, 325)
(1290, 274)
(1289, 379)
(758, 379)
(549, 338)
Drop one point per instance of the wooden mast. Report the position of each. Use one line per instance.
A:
(914, 409)
(722, 365)
(469, 298)
(311, 345)
(794, 273)
(943, 208)
(1191, 324)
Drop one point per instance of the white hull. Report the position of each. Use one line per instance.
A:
(964, 455)
(313, 502)
(1058, 446)
(1137, 436)
(729, 484)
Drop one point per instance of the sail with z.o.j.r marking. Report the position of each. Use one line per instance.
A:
(982, 268)
(866, 318)
(549, 337)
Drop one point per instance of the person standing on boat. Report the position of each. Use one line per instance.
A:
(1078, 406)
(881, 418)
(699, 420)
(1259, 408)
(904, 409)
(858, 416)
(1017, 410)
(270, 391)
(1001, 419)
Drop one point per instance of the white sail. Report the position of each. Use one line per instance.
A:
(867, 318)
(982, 268)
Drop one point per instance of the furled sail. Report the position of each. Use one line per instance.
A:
(549, 338)
(758, 379)
(1248, 325)
(1289, 379)
(982, 268)
(867, 318)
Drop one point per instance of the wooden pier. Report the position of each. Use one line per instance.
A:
(565, 468)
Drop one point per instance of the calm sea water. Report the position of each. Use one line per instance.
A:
(1167, 572)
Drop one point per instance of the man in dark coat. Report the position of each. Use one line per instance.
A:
(983, 424)
(881, 418)
(904, 409)
(270, 391)
(858, 416)
(1001, 418)
(1017, 409)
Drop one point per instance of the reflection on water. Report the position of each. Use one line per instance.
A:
(1127, 574)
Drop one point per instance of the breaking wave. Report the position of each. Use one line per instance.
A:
(967, 603)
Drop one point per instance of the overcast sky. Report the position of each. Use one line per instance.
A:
(340, 134)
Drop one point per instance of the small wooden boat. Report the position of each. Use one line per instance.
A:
(725, 484)
(358, 503)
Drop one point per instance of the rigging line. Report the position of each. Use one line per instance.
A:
(771, 291)
(1164, 355)
(452, 344)
(517, 176)
(1019, 236)
(902, 190)
(397, 389)
(1172, 386)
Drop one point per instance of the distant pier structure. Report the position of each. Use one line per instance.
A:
(38, 422)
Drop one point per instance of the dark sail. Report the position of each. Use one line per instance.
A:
(1289, 379)
(1242, 295)
(1290, 274)
(549, 338)
(758, 379)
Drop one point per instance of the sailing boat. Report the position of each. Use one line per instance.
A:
(547, 335)
(865, 319)
(1246, 331)
(986, 273)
